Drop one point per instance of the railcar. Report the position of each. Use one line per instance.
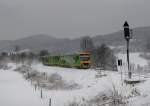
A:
(78, 60)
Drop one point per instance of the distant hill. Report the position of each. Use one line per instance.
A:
(140, 36)
(4, 44)
(38, 42)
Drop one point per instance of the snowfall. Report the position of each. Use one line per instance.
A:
(15, 90)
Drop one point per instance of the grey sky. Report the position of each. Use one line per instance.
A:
(70, 18)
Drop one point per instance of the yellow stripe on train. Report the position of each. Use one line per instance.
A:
(85, 62)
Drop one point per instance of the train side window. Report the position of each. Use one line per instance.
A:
(75, 58)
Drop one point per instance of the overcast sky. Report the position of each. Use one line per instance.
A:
(70, 18)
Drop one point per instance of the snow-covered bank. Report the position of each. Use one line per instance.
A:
(134, 59)
(15, 91)
(91, 86)
(19, 91)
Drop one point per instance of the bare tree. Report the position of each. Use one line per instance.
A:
(147, 45)
(22, 56)
(17, 48)
(4, 54)
(30, 58)
(104, 58)
(44, 52)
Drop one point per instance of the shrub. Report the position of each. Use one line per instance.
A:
(54, 78)
(104, 58)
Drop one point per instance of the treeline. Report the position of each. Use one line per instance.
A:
(22, 57)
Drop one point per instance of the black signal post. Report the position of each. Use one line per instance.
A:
(127, 36)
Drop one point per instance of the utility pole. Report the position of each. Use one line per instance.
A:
(127, 36)
(129, 70)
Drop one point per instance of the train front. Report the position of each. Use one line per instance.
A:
(85, 60)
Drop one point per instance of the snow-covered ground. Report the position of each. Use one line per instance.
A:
(90, 86)
(134, 59)
(16, 91)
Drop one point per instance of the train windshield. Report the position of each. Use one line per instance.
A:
(84, 58)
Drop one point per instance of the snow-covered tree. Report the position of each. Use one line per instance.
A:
(104, 58)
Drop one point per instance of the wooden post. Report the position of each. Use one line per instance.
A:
(41, 94)
(139, 75)
(35, 86)
(50, 102)
(121, 76)
(28, 74)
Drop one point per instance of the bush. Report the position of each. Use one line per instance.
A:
(103, 57)
(54, 81)
(54, 78)
(32, 74)
(75, 103)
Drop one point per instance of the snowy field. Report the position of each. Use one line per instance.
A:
(134, 59)
(16, 91)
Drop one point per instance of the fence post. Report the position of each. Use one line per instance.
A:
(50, 102)
(41, 94)
(35, 86)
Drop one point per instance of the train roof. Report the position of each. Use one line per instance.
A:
(84, 53)
(78, 53)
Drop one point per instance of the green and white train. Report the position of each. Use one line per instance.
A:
(78, 60)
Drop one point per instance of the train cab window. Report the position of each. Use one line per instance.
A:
(84, 58)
